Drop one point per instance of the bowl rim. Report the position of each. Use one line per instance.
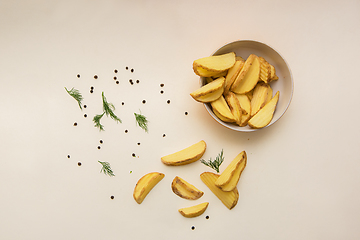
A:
(240, 129)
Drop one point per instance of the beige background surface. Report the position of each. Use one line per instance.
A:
(302, 179)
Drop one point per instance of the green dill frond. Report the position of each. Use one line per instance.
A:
(97, 123)
(106, 169)
(76, 95)
(141, 121)
(216, 163)
(109, 108)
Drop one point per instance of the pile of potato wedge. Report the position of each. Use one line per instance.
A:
(238, 90)
(223, 185)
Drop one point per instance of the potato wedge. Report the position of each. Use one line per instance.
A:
(245, 105)
(273, 75)
(145, 184)
(270, 94)
(265, 71)
(263, 116)
(248, 76)
(204, 72)
(234, 106)
(209, 92)
(260, 96)
(184, 189)
(229, 199)
(229, 178)
(217, 63)
(232, 74)
(222, 108)
(185, 156)
(222, 118)
(194, 211)
(250, 94)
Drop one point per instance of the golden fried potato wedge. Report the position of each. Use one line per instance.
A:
(250, 94)
(145, 184)
(204, 72)
(273, 75)
(265, 71)
(222, 118)
(245, 105)
(217, 63)
(260, 96)
(270, 94)
(209, 92)
(222, 108)
(263, 116)
(185, 190)
(229, 199)
(248, 76)
(231, 75)
(194, 211)
(229, 178)
(234, 106)
(185, 156)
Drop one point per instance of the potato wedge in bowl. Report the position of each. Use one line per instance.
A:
(262, 64)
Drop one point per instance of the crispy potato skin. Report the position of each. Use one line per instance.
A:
(185, 190)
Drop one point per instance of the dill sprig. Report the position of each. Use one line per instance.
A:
(76, 95)
(97, 119)
(109, 108)
(216, 163)
(141, 121)
(106, 169)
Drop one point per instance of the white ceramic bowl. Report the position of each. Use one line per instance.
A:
(284, 84)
